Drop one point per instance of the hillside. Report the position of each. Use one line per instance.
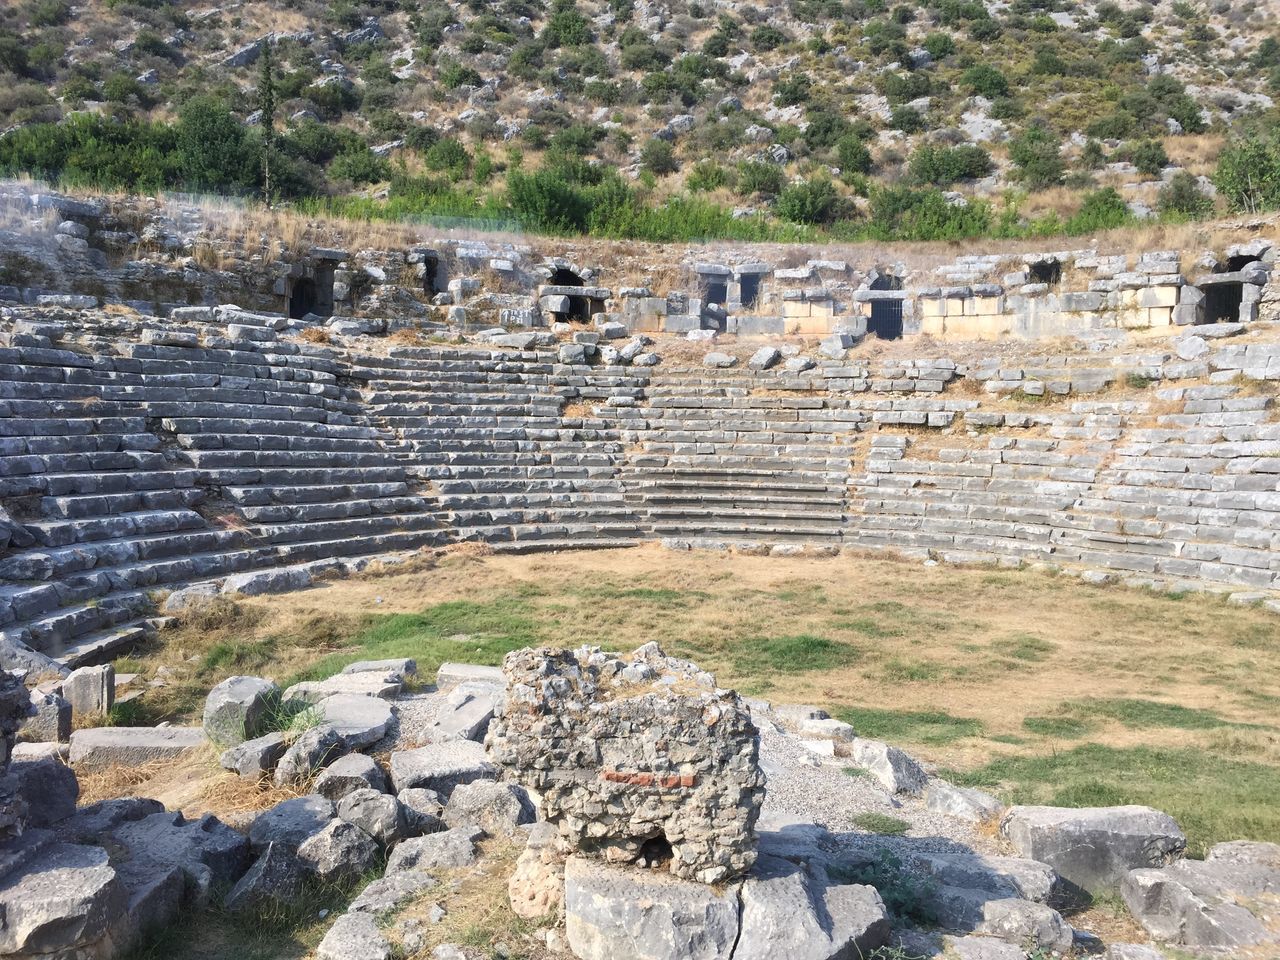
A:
(661, 120)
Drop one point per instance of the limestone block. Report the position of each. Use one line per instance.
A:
(98, 747)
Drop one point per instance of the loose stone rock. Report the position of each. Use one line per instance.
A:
(377, 814)
(440, 766)
(339, 852)
(274, 879)
(496, 808)
(309, 754)
(453, 848)
(291, 823)
(347, 774)
(236, 709)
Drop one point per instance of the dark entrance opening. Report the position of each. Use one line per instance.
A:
(1240, 262)
(749, 287)
(564, 277)
(581, 309)
(430, 276)
(1046, 271)
(886, 315)
(1222, 302)
(655, 852)
(886, 319)
(302, 298)
(715, 291)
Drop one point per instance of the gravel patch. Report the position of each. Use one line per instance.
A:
(415, 713)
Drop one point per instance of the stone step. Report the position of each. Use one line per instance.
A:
(692, 514)
(746, 531)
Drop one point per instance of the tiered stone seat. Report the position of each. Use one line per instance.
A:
(722, 459)
(147, 467)
(491, 435)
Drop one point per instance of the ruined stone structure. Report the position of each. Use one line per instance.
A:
(216, 451)
(634, 760)
(156, 257)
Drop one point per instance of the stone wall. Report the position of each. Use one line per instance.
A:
(155, 257)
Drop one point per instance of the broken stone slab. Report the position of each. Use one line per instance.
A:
(209, 853)
(237, 709)
(423, 811)
(98, 747)
(1219, 903)
(347, 774)
(401, 667)
(451, 674)
(1094, 848)
(50, 719)
(188, 598)
(338, 853)
(291, 822)
(1004, 876)
(895, 770)
(387, 893)
(309, 754)
(499, 809)
(376, 813)
(719, 360)
(452, 848)
(266, 581)
(91, 691)
(965, 803)
(764, 358)
(441, 766)
(360, 720)
(96, 820)
(354, 936)
(797, 912)
(618, 911)
(382, 685)
(256, 758)
(69, 902)
(276, 878)
(987, 913)
(48, 786)
(466, 711)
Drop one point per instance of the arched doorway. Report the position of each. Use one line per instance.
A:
(886, 314)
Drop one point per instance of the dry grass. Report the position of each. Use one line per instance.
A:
(315, 335)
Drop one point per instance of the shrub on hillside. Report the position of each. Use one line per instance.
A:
(1037, 158)
(1182, 197)
(942, 166)
(1248, 173)
(658, 157)
(812, 201)
(1102, 209)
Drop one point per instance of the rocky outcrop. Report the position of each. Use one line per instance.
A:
(639, 759)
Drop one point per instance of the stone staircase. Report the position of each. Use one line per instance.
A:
(721, 459)
(497, 440)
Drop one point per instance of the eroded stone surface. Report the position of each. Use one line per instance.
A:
(626, 753)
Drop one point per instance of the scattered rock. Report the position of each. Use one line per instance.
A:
(354, 936)
(963, 802)
(310, 753)
(339, 852)
(423, 810)
(898, 772)
(719, 360)
(237, 708)
(496, 808)
(91, 691)
(275, 879)
(377, 814)
(291, 823)
(764, 358)
(50, 720)
(441, 766)
(347, 774)
(255, 758)
(453, 848)
(1094, 848)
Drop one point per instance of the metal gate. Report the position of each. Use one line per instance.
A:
(886, 319)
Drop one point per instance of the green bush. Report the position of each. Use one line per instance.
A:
(1248, 173)
(903, 213)
(360, 167)
(448, 155)
(765, 38)
(1102, 209)
(793, 89)
(813, 201)
(1037, 158)
(566, 27)
(852, 155)
(942, 166)
(658, 157)
(1182, 197)
(1149, 157)
(755, 177)
(939, 45)
(906, 119)
(985, 81)
(707, 175)
(216, 152)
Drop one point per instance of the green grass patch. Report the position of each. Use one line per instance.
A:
(1024, 646)
(881, 823)
(897, 670)
(457, 630)
(1147, 714)
(1064, 728)
(910, 726)
(795, 654)
(1213, 798)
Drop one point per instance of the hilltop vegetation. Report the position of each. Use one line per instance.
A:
(665, 119)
